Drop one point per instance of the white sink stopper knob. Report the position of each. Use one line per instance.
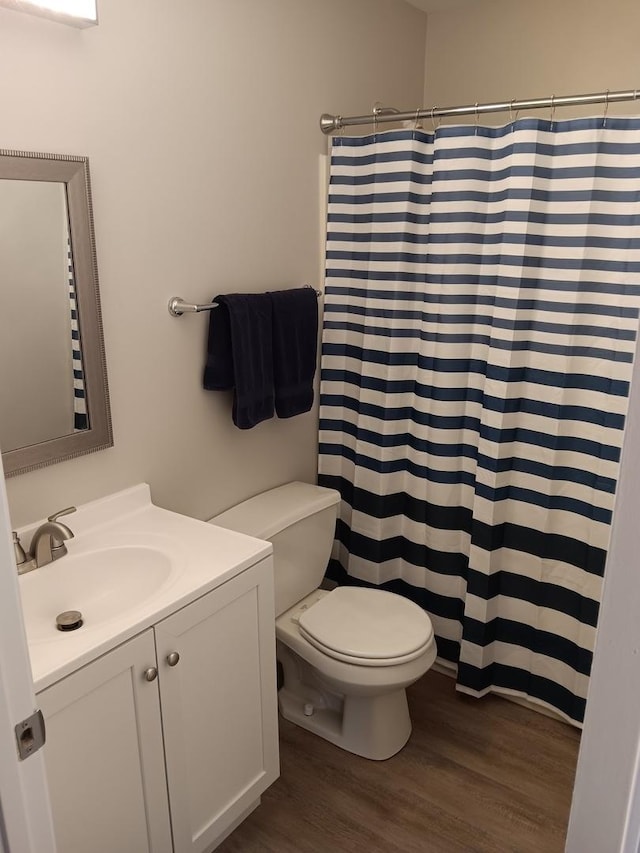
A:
(308, 709)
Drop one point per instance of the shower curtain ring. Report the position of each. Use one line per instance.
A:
(477, 119)
(553, 109)
(512, 120)
(433, 121)
(606, 109)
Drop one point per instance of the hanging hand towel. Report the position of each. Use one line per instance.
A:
(295, 342)
(239, 355)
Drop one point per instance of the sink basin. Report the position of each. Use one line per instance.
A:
(102, 585)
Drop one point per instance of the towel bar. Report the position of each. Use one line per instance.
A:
(177, 306)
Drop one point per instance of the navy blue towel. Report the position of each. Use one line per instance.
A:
(239, 355)
(295, 342)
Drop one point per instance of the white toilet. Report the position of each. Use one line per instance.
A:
(347, 655)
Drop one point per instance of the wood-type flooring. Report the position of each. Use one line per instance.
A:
(477, 776)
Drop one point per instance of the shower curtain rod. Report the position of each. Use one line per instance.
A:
(330, 123)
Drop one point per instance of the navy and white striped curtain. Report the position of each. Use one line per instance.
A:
(481, 310)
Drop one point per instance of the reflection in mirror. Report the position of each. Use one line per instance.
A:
(41, 385)
(53, 391)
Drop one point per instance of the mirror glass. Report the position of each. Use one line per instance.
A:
(41, 390)
(53, 389)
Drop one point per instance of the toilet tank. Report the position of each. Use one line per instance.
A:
(299, 520)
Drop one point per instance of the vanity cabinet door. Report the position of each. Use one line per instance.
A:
(219, 707)
(104, 758)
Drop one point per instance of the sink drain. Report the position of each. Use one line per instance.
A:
(70, 620)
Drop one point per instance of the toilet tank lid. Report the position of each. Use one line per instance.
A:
(266, 514)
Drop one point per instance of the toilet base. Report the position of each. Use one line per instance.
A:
(372, 726)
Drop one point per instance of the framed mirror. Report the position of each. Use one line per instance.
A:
(54, 398)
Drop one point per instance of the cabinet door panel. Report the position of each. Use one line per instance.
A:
(104, 755)
(219, 706)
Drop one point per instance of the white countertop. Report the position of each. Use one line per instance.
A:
(202, 557)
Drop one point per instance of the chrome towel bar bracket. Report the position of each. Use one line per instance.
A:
(177, 306)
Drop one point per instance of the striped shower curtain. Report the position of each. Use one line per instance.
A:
(481, 310)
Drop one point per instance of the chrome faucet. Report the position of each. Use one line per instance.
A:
(47, 543)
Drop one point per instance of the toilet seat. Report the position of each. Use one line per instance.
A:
(367, 627)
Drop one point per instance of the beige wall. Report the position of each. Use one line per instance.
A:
(503, 49)
(200, 120)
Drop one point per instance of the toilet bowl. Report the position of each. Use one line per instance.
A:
(347, 655)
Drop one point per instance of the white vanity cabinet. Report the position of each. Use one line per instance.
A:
(219, 708)
(103, 755)
(209, 718)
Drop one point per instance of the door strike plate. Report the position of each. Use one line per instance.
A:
(30, 735)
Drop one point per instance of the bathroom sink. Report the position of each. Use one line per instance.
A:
(102, 585)
(130, 564)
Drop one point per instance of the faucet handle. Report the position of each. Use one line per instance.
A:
(24, 561)
(18, 550)
(66, 511)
